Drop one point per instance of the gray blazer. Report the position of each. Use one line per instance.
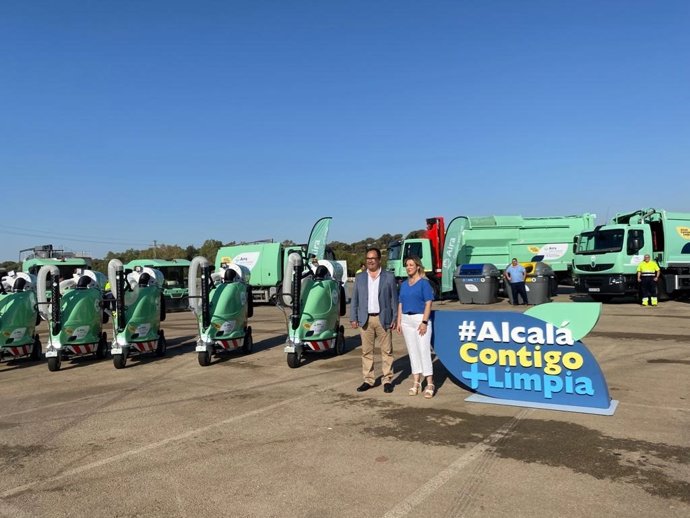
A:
(388, 299)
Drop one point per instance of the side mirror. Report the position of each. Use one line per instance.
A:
(576, 240)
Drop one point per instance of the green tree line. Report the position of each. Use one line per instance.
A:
(353, 253)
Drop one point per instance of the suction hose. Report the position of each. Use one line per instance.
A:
(293, 276)
(52, 314)
(116, 278)
(198, 302)
(294, 259)
(206, 282)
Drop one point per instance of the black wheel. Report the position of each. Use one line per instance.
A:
(248, 343)
(662, 293)
(204, 357)
(601, 298)
(54, 363)
(162, 346)
(119, 361)
(250, 302)
(340, 341)
(343, 303)
(102, 348)
(36, 349)
(294, 359)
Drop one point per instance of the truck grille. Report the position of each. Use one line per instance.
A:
(595, 268)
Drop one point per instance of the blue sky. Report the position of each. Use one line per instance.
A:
(125, 122)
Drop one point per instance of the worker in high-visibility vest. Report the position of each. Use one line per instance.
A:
(647, 276)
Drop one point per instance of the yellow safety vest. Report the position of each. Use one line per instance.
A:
(647, 268)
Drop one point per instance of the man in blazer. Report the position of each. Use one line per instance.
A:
(374, 310)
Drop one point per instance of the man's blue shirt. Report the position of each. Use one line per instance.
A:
(517, 273)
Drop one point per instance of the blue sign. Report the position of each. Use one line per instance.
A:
(518, 359)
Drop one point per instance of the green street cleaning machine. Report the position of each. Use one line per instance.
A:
(316, 297)
(75, 314)
(19, 317)
(139, 310)
(222, 304)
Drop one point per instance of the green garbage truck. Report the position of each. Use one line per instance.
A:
(491, 240)
(33, 258)
(175, 273)
(265, 260)
(606, 257)
(67, 263)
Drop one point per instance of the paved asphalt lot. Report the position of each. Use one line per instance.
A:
(248, 436)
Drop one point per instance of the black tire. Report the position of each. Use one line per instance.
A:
(248, 344)
(204, 357)
(54, 363)
(250, 302)
(343, 303)
(162, 346)
(662, 294)
(36, 349)
(119, 361)
(340, 341)
(601, 298)
(163, 308)
(102, 348)
(294, 359)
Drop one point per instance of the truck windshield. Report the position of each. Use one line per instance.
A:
(413, 249)
(599, 242)
(394, 250)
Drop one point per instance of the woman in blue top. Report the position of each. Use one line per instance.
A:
(414, 308)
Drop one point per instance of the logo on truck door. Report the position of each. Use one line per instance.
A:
(550, 251)
(684, 232)
(248, 259)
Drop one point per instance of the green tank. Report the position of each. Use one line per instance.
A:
(18, 317)
(222, 304)
(315, 319)
(75, 314)
(139, 310)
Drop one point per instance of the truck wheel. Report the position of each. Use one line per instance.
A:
(294, 359)
(248, 344)
(119, 361)
(204, 357)
(54, 363)
(36, 349)
(661, 291)
(162, 346)
(340, 341)
(102, 348)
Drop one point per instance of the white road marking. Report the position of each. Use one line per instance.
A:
(408, 505)
(155, 445)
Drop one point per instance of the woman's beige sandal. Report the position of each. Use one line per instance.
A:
(414, 389)
(429, 392)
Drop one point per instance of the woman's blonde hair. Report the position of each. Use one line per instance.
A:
(418, 262)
